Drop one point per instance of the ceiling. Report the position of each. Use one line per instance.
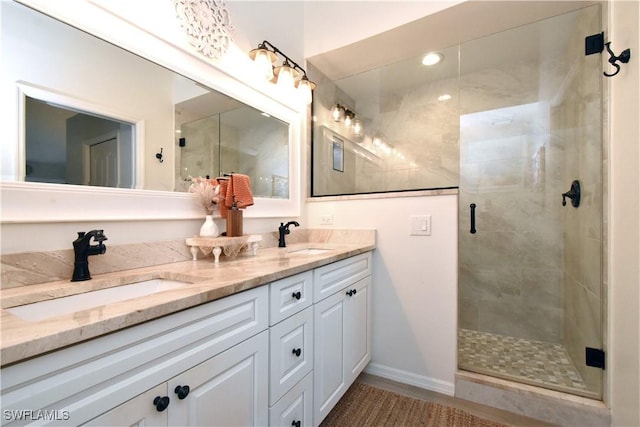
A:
(460, 23)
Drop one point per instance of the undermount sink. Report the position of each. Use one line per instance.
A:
(66, 305)
(308, 251)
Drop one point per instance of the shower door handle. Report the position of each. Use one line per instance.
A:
(472, 207)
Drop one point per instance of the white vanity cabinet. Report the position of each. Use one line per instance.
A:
(279, 355)
(291, 351)
(136, 412)
(229, 389)
(119, 373)
(342, 335)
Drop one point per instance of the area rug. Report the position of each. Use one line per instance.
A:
(364, 405)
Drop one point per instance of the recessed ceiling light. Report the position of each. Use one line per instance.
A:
(432, 58)
(444, 97)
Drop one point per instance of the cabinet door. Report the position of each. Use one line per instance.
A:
(329, 382)
(230, 389)
(357, 330)
(137, 412)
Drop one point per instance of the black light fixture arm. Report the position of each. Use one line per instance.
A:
(268, 46)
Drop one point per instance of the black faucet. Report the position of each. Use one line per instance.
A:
(82, 249)
(283, 230)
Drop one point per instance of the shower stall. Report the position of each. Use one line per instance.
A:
(530, 266)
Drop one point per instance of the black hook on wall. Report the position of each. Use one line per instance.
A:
(595, 44)
(623, 57)
(159, 156)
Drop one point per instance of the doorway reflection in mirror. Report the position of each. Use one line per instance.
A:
(68, 146)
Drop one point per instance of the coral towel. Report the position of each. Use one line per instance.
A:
(238, 186)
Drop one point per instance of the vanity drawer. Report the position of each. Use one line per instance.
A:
(291, 353)
(296, 405)
(289, 296)
(331, 278)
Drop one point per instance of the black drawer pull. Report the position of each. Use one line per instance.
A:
(351, 292)
(161, 403)
(296, 423)
(182, 391)
(296, 295)
(297, 351)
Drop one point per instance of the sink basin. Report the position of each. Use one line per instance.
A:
(65, 305)
(309, 251)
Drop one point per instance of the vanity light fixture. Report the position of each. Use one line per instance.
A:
(337, 113)
(432, 58)
(349, 116)
(341, 113)
(358, 129)
(266, 54)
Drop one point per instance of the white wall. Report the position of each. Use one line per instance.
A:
(414, 285)
(624, 219)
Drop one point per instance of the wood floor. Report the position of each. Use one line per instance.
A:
(483, 411)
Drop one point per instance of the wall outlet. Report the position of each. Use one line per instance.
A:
(326, 219)
(420, 225)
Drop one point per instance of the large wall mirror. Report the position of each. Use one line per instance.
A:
(90, 113)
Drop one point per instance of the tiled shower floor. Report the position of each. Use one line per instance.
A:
(533, 362)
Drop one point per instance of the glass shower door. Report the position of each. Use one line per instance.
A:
(530, 268)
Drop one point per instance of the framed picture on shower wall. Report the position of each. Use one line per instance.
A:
(338, 154)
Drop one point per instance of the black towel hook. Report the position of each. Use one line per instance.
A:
(623, 57)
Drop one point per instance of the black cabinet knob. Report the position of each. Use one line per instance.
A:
(296, 295)
(161, 403)
(351, 292)
(296, 423)
(297, 351)
(182, 391)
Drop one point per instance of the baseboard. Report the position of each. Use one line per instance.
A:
(410, 378)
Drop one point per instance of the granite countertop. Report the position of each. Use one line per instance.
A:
(208, 281)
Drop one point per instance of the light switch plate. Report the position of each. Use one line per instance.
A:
(420, 225)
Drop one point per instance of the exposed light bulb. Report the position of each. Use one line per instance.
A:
(358, 128)
(337, 113)
(347, 120)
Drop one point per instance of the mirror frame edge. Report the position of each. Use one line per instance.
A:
(26, 202)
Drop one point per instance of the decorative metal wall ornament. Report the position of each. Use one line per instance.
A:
(207, 25)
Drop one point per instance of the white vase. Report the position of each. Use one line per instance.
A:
(209, 228)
